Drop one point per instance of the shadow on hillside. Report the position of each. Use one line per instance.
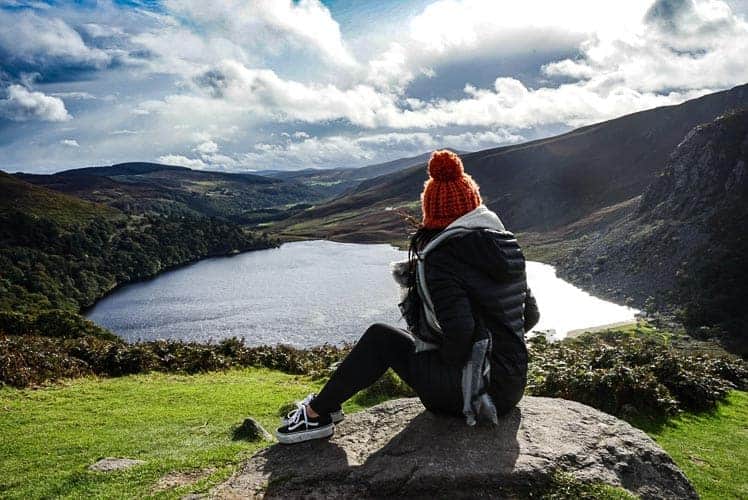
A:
(428, 452)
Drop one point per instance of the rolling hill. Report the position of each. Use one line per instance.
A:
(247, 198)
(39, 201)
(549, 189)
(336, 181)
(59, 252)
(141, 187)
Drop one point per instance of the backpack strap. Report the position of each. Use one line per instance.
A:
(423, 290)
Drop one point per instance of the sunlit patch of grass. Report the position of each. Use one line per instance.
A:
(711, 448)
(49, 436)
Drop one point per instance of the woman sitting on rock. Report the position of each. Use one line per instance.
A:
(468, 308)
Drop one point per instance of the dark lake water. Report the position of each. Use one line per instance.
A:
(305, 293)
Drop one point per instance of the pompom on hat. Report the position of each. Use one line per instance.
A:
(449, 193)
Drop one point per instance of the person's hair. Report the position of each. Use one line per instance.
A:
(419, 240)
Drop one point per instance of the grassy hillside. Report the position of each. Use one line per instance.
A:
(50, 436)
(20, 196)
(335, 181)
(61, 253)
(711, 447)
(143, 187)
(539, 186)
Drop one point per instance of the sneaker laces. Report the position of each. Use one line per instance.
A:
(299, 404)
(295, 417)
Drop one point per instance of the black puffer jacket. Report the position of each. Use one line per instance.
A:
(473, 295)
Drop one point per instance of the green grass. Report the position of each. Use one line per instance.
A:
(49, 436)
(711, 448)
(18, 195)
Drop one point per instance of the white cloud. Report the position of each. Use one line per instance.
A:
(207, 147)
(102, 30)
(682, 44)
(182, 161)
(23, 104)
(308, 22)
(449, 31)
(475, 141)
(626, 65)
(263, 91)
(239, 73)
(36, 41)
(359, 150)
(209, 157)
(239, 29)
(70, 143)
(74, 95)
(509, 104)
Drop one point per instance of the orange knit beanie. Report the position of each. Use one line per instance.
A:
(449, 192)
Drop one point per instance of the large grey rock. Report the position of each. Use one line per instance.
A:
(399, 449)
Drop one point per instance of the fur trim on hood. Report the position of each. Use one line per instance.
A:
(400, 272)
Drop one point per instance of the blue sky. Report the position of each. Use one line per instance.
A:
(242, 85)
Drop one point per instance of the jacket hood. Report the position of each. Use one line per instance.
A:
(480, 217)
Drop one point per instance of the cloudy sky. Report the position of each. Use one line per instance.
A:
(256, 84)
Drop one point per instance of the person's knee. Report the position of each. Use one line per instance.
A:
(376, 328)
(378, 332)
(385, 337)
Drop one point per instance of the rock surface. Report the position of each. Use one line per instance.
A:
(110, 464)
(251, 430)
(657, 237)
(399, 449)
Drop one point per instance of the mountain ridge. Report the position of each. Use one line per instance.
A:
(683, 246)
(537, 186)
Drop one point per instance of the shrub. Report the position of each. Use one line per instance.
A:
(632, 374)
(26, 361)
(624, 374)
(67, 324)
(34, 359)
(15, 323)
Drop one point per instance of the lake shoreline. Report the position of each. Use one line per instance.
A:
(232, 253)
(597, 329)
(292, 297)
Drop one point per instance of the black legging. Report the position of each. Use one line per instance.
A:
(383, 346)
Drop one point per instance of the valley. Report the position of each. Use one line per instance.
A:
(603, 203)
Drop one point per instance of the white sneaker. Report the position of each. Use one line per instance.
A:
(302, 427)
(337, 416)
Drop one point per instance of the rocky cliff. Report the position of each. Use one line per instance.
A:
(397, 449)
(686, 217)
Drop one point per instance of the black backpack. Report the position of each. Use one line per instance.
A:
(417, 307)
